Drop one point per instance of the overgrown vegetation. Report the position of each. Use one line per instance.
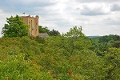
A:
(71, 56)
(15, 27)
(49, 32)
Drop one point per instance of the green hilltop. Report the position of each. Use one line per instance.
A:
(57, 57)
(70, 56)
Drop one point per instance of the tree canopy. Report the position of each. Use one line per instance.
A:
(15, 27)
(49, 32)
(54, 33)
(43, 29)
(70, 56)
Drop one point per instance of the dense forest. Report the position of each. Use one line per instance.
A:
(69, 56)
(60, 57)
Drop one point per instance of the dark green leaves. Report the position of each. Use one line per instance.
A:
(15, 27)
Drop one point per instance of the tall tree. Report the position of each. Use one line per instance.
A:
(49, 32)
(75, 32)
(112, 64)
(76, 40)
(54, 33)
(43, 29)
(15, 27)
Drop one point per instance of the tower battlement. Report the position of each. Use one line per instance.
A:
(33, 24)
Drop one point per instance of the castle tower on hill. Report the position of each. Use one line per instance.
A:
(33, 24)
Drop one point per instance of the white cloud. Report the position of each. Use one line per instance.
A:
(92, 9)
(97, 17)
(89, 1)
(115, 7)
(3, 17)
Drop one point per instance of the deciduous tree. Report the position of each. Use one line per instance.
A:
(15, 27)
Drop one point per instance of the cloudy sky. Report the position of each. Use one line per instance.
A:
(97, 17)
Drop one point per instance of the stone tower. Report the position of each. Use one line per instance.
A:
(33, 24)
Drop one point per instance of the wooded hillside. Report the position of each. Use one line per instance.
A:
(71, 56)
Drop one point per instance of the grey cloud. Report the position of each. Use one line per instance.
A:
(92, 12)
(55, 19)
(63, 23)
(89, 1)
(18, 6)
(115, 7)
(50, 14)
(112, 22)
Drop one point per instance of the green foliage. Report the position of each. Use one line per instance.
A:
(43, 29)
(46, 30)
(75, 32)
(116, 44)
(18, 60)
(112, 60)
(75, 40)
(54, 33)
(15, 27)
(38, 39)
(63, 57)
(14, 67)
(109, 38)
(103, 43)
